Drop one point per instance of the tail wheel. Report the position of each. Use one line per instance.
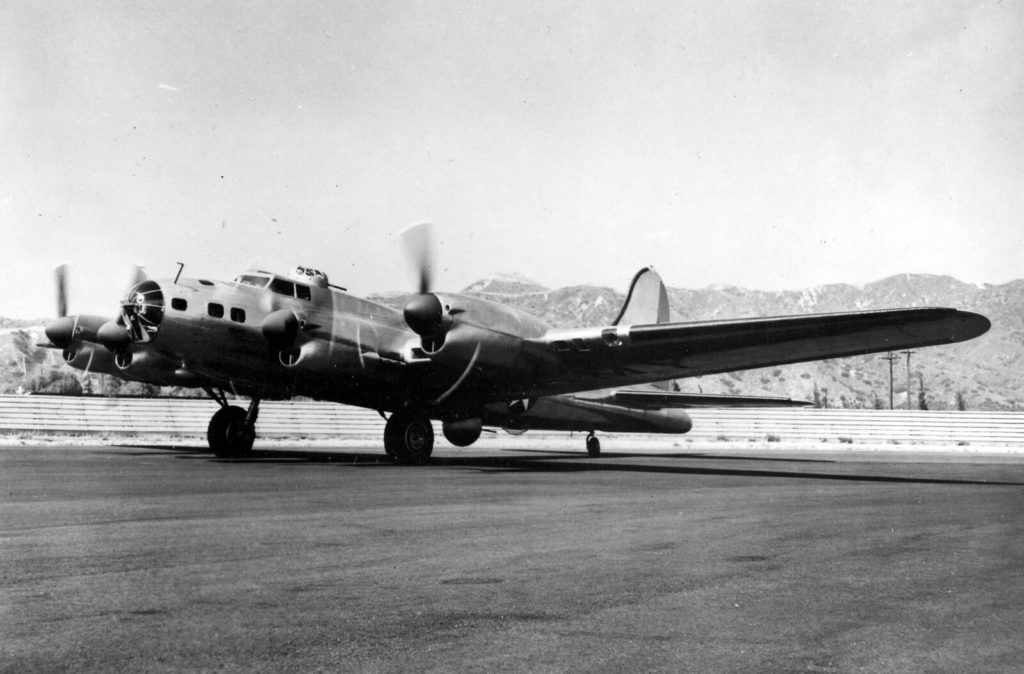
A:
(593, 445)
(228, 434)
(408, 438)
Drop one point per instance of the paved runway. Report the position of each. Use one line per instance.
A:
(151, 558)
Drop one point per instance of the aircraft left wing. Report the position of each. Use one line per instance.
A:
(593, 358)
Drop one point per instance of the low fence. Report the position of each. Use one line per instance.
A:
(178, 416)
(189, 417)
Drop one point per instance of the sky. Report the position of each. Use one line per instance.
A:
(770, 145)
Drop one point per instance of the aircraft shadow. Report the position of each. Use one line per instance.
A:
(562, 462)
(675, 455)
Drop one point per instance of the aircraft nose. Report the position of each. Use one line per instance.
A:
(142, 310)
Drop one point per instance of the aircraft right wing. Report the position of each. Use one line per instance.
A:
(594, 358)
(677, 399)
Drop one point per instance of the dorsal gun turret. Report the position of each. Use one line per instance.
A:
(310, 276)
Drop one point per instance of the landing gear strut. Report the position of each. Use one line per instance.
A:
(593, 445)
(232, 430)
(408, 437)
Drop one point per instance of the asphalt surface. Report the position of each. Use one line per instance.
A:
(152, 558)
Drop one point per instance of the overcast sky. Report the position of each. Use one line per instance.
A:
(770, 145)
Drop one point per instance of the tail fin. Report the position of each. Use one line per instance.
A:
(647, 301)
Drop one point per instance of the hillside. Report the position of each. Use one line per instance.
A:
(987, 373)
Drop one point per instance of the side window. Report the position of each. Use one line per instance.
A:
(179, 304)
(215, 310)
(282, 287)
(302, 292)
(237, 315)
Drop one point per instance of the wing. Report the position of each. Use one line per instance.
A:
(658, 400)
(592, 358)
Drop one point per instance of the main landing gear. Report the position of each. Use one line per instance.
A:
(593, 445)
(232, 430)
(408, 437)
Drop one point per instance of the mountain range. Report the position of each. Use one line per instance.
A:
(985, 373)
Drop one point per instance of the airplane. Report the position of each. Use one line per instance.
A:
(464, 361)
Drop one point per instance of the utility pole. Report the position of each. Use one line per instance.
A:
(890, 357)
(908, 352)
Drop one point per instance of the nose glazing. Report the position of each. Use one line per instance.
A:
(142, 311)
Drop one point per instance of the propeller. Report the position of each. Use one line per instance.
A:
(62, 331)
(141, 313)
(424, 313)
(419, 246)
(138, 275)
(61, 274)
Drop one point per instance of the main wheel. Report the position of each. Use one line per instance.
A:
(228, 434)
(408, 438)
(593, 445)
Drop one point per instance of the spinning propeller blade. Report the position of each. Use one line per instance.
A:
(138, 275)
(61, 274)
(419, 245)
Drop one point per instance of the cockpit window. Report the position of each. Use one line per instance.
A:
(302, 292)
(282, 287)
(250, 280)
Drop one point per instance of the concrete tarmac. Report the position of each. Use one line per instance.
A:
(157, 558)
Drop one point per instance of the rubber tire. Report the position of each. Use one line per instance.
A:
(593, 445)
(408, 438)
(228, 435)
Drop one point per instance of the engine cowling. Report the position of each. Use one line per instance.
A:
(113, 336)
(281, 328)
(430, 319)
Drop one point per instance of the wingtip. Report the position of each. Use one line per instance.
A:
(971, 325)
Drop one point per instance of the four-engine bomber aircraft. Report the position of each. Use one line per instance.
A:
(462, 360)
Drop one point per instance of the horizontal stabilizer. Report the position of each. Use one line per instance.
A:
(664, 399)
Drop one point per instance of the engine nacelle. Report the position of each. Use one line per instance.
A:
(141, 364)
(90, 358)
(482, 341)
(352, 349)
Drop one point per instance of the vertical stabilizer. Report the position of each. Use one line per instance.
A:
(647, 301)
